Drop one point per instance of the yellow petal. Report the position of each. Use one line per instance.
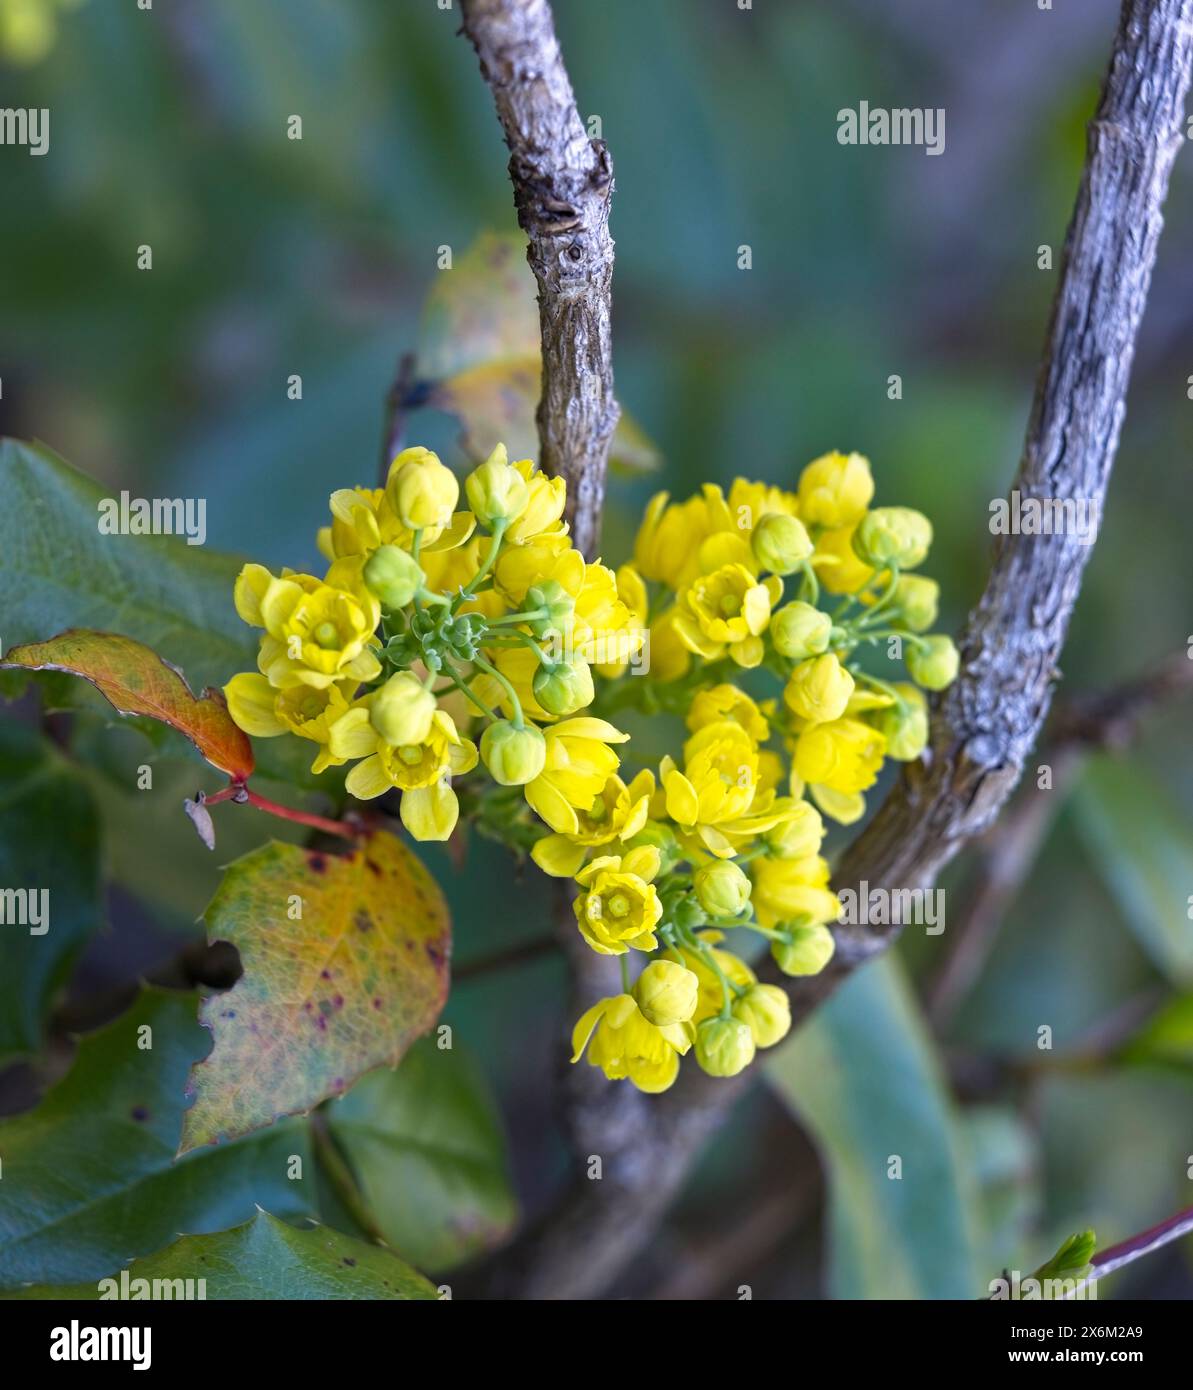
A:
(251, 703)
(843, 807)
(278, 602)
(430, 813)
(550, 803)
(251, 584)
(643, 861)
(352, 736)
(683, 805)
(368, 779)
(585, 1026)
(558, 856)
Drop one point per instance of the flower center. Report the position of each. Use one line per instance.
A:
(618, 905)
(327, 635)
(410, 754)
(730, 605)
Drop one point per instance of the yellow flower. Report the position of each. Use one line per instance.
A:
(844, 754)
(819, 690)
(799, 630)
(669, 657)
(316, 634)
(785, 889)
(724, 1046)
(579, 762)
(514, 756)
(766, 1012)
(838, 761)
(545, 500)
(780, 543)
(904, 725)
(835, 490)
(617, 812)
(363, 520)
(670, 535)
(893, 535)
(725, 611)
(422, 771)
(402, 709)
(625, 1045)
(799, 835)
(748, 503)
(718, 800)
(264, 712)
(725, 701)
(807, 953)
(722, 888)
(421, 491)
(837, 565)
(667, 993)
(631, 592)
(711, 996)
(497, 492)
(618, 910)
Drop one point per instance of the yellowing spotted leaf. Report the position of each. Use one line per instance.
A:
(345, 963)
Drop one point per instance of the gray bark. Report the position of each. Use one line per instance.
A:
(563, 181)
(986, 725)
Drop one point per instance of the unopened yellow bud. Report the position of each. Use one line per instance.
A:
(394, 575)
(819, 690)
(564, 687)
(765, 1010)
(497, 492)
(799, 631)
(933, 664)
(916, 601)
(402, 710)
(893, 536)
(807, 953)
(780, 543)
(667, 992)
(904, 724)
(724, 1046)
(722, 888)
(514, 756)
(835, 490)
(421, 490)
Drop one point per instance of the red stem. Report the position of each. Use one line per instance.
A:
(238, 791)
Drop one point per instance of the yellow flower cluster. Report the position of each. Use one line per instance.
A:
(442, 637)
(730, 835)
(425, 630)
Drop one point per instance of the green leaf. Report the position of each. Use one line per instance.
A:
(89, 1177)
(1137, 839)
(57, 571)
(426, 1146)
(345, 963)
(863, 1077)
(264, 1258)
(135, 680)
(49, 844)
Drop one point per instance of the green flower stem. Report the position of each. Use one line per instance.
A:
(884, 686)
(494, 546)
(876, 608)
(625, 974)
(415, 547)
(430, 596)
(728, 988)
(527, 617)
(519, 720)
(811, 583)
(453, 676)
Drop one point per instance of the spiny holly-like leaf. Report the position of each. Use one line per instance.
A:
(264, 1258)
(89, 1178)
(135, 680)
(480, 348)
(345, 963)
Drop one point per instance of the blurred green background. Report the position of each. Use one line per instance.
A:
(273, 256)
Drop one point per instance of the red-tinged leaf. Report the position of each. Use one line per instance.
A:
(345, 964)
(135, 680)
